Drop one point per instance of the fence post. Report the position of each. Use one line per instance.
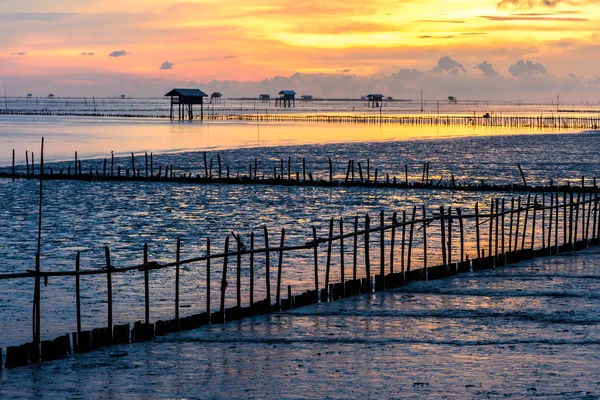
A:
(403, 242)
(443, 230)
(77, 300)
(109, 292)
(342, 277)
(503, 228)
(477, 230)
(543, 220)
(392, 242)
(462, 234)
(576, 205)
(355, 249)
(491, 228)
(525, 222)
(146, 289)
(367, 254)
(449, 237)
(328, 264)
(177, 258)
(382, 250)
(410, 238)
(517, 224)
(279, 268)
(425, 243)
(316, 260)
(208, 311)
(533, 223)
(224, 278)
(268, 268)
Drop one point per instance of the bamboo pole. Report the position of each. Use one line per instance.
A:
(316, 261)
(403, 242)
(109, 293)
(443, 238)
(382, 249)
(355, 249)
(425, 271)
(208, 310)
(342, 272)
(251, 269)
(177, 258)
(224, 277)
(328, 264)
(367, 256)
(267, 268)
(525, 222)
(449, 235)
(517, 223)
(146, 287)
(410, 238)
(279, 269)
(393, 242)
(462, 234)
(477, 230)
(77, 298)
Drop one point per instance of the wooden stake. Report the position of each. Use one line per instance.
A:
(393, 240)
(177, 258)
(525, 222)
(533, 223)
(462, 234)
(382, 249)
(316, 261)
(355, 249)
(517, 223)
(410, 238)
(279, 268)
(146, 287)
(109, 293)
(343, 279)
(477, 230)
(403, 241)
(208, 310)
(443, 227)
(267, 267)
(78, 296)
(425, 242)
(367, 256)
(251, 269)
(328, 264)
(238, 240)
(224, 277)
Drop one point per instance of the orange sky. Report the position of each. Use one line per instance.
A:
(70, 42)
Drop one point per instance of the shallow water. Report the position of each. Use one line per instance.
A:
(86, 216)
(526, 331)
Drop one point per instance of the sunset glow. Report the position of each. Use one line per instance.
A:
(174, 42)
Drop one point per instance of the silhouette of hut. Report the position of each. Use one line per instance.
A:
(452, 100)
(122, 96)
(306, 97)
(264, 98)
(375, 100)
(215, 98)
(186, 98)
(287, 98)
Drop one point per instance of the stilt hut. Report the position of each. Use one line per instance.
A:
(265, 98)
(287, 98)
(306, 97)
(185, 99)
(375, 100)
(215, 98)
(452, 100)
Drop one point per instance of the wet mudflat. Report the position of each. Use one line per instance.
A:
(528, 331)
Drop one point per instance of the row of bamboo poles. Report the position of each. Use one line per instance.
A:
(514, 121)
(535, 227)
(353, 174)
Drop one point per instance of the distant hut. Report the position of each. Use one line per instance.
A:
(186, 98)
(375, 100)
(122, 96)
(306, 97)
(389, 98)
(287, 98)
(265, 98)
(51, 95)
(215, 98)
(452, 100)
(29, 95)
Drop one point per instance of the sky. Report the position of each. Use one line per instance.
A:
(529, 50)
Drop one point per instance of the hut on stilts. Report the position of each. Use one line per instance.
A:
(185, 99)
